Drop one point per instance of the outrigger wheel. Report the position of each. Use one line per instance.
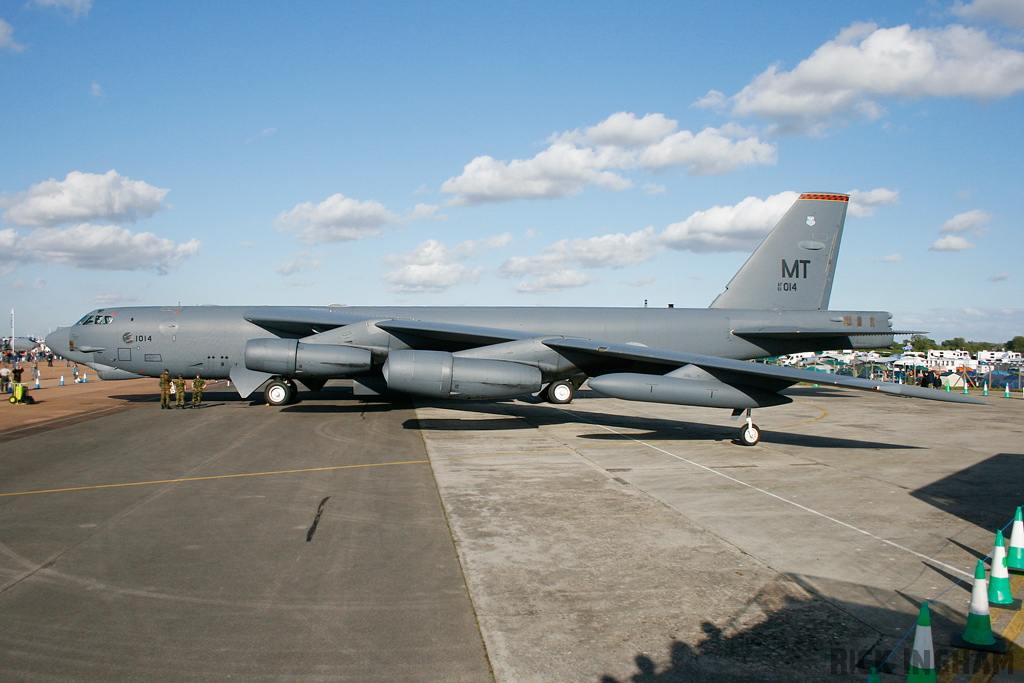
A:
(279, 392)
(560, 392)
(750, 433)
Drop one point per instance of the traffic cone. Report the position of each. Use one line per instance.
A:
(978, 635)
(84, 378)
(922, 661)
(999, 592)
(1015, 553)
(37, 382)
(1006, 391)
(874, 678)
(947, 386)
(984, 391)
(965, 386)
(62, 380)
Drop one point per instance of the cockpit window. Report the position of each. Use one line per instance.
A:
(96, 319)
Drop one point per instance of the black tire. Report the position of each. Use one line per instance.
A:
(278, 393)
(560, 392)
(749, 436)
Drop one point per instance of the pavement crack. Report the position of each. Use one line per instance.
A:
(316, 520)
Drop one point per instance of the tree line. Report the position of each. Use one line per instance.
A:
(922, 343)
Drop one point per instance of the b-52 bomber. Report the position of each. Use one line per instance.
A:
(776, 304)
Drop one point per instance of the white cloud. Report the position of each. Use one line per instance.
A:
(94, 247)
(417, 278)
(951, 243)
(624, 129)
(302, 261)
(971, 221)
(77, 8)
(1009, 12)
(1001, 277)
(266, 132)
(114, 299)
(561, 170)
(709, 152)
(7, 38)
(336, 219)
(862, 204)
(729, 228)
(839, 81)
(891, 258)
(601, 154)
(604, 251)
(433, 267)
(555, 282)
(741, 227)
(96, 90)
(83, 197)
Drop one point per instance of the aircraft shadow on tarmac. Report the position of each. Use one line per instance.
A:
(980, 494)
(805, 639)
(533, 414)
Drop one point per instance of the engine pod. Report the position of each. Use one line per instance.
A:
(441, 375)
(292, 358)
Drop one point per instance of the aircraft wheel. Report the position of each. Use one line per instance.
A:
(560, 392)
(750, 434)
(278, 393)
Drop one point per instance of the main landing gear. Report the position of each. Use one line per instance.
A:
(280, 392)
(560, 392)
(750, 433)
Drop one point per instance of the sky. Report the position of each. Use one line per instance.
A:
(506, 153)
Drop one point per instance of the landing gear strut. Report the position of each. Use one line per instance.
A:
(750, 434)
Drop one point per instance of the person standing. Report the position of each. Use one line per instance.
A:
(179, 387)
(165, 390)
(197, 391)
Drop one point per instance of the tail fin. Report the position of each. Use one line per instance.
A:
(793, 267)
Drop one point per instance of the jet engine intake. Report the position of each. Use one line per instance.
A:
(709, 393)
(292, 358)
(439, 374)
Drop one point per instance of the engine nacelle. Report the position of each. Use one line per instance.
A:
(292, 358)
(441, 375)
(689, 392)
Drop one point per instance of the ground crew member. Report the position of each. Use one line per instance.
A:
(165, 390)
(197, 391)
(179, 386)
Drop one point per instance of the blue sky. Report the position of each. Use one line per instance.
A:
(506, 153)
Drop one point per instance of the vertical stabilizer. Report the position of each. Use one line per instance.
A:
(793, 267)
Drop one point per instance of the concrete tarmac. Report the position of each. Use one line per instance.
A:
(601, 541)
(235, 542)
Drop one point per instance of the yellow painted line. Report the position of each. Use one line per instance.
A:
(987, 665)
(824, 414)
(265, 474)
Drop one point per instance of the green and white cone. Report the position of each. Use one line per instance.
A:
(922, 661)
(1015, 553)
(874, 677)
(999, 592)
(979, 621)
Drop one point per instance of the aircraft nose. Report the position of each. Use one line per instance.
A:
(58, 341)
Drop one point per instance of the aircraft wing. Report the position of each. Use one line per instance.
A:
(757, 372)
(299, 322)
(452, 333)
(814, 333)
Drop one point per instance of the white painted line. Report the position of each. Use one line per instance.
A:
(776, 496)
